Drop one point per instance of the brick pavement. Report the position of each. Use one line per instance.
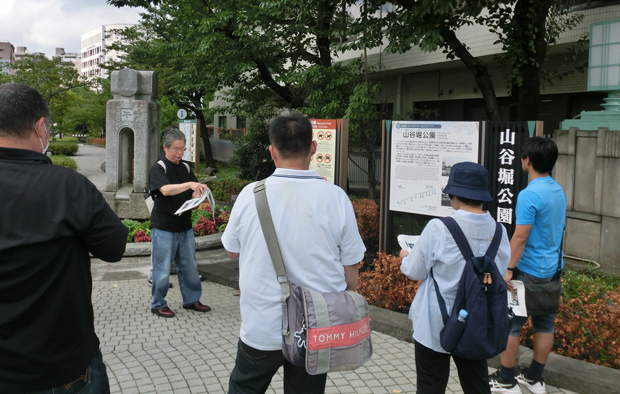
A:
(194, 352)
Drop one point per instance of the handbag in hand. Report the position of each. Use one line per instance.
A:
(326, 332)
(544, 298)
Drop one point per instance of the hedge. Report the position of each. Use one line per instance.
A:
(96, 141)
(63, 148)
(64, 161)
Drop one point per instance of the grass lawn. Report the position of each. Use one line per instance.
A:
(224, 170)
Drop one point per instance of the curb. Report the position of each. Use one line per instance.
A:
(144, 248)
(560, 371)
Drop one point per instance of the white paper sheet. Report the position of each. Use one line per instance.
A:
(516, 298)
(406, 242)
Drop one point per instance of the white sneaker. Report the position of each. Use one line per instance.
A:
(498, 385)
(535, 386)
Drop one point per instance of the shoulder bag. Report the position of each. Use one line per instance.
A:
(544, 298)
(326, 332)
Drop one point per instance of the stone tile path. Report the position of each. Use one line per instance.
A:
(194, 353)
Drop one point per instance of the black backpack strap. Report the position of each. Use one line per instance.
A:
(459, 237)
(497, 239)
(440, 301)
(461, 242)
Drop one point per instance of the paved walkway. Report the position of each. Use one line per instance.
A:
(194, 352)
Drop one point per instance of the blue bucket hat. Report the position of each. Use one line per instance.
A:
(469, 180)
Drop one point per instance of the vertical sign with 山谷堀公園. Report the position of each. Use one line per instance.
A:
(324, 160)
(502, 158)
(422, 155)
(188, 127)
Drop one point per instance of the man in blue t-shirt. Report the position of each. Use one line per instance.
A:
(536, 248)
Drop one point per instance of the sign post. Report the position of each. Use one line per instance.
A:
(191, 129)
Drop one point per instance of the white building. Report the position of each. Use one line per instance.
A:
(94, 49)
(7, 55)
(70, 57)
(418, 81)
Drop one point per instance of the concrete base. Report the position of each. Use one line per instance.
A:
(129, 206)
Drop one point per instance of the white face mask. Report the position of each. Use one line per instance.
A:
(44, 150)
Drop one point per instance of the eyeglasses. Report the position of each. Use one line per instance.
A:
(177, 150)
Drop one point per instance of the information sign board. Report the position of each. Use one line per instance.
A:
(422, 155)
(189, 128)
(324, 132)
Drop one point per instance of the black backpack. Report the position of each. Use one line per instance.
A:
(483, 333)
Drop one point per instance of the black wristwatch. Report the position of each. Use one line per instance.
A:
(512, 269)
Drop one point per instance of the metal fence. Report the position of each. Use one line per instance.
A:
(358, 168)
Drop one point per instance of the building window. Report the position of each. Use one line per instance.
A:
(222, 121)
(241, 122)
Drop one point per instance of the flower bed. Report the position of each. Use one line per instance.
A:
(587, 325)
(202, 223)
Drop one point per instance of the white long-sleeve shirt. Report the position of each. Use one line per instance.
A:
(437, 249)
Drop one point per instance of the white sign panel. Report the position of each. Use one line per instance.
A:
(423, 153)
(188, 127)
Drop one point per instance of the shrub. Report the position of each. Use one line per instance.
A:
(204, 227)
(386, 286)
(367, 216)
(64, 161)
(133, 226)
(224, 189)
(67, 139)
(202, 221)
(140, 236)
(63, 148)
(252, 153)
(587, 326)
(96, 141)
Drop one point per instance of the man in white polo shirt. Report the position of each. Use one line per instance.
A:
(321, 248)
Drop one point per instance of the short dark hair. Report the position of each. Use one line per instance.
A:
(542, 152)
(291, 135)
(20, 108)
(466, 201)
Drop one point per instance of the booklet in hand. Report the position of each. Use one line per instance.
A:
(193, 203)
(406, 242)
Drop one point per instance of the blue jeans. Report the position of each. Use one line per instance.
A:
(254, 369)
(541, 323)
(94, 381)
(181, 248)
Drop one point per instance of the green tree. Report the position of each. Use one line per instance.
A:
(52, 78)
(525, 29)
(258, 56)
(86, 111)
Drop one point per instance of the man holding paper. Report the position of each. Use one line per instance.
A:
(172, 235)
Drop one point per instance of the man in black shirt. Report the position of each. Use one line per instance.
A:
(51, 218)
(172, 235)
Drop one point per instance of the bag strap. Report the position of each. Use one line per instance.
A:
(558, 273)
(266, 223)
(461, 242)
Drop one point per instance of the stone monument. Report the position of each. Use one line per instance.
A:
(132, 140)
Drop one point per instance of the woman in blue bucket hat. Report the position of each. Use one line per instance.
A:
(468, 189)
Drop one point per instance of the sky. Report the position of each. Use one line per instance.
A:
(44, 25)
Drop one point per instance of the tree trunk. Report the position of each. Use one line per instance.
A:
(531, 18)
(478, 69)
(371, 176)
(205, 140)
